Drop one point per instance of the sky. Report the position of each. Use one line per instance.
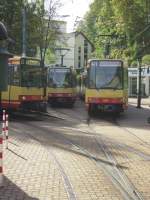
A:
(75, 9)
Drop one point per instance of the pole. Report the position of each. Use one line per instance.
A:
(23, 32)
(1, 160)
(139, 84)
(0, 101)
(44, 82)
(62, 60)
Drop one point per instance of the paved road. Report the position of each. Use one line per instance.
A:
(62, 157)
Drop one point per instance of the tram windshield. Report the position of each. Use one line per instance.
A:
(31, 76)
(106, 77)
(61, 78)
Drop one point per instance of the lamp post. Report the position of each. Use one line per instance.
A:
(62, 52)
(107, 47)
(139, 83)
(62, 59)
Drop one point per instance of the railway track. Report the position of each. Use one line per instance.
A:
(113, 170)
(67, 184)
(117, 175)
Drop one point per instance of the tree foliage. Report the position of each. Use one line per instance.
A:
(40, 31)
(125, 22)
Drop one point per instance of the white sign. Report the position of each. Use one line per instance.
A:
(60, 70)
(106, 63)
(133, 72)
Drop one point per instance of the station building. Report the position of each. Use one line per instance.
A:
(79, 50)
(133, 81)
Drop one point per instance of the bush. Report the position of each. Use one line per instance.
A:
(146, 59)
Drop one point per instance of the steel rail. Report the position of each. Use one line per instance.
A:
(127, 188)
(130, 132)
(67, 184)
(117, 176)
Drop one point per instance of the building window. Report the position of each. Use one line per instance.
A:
(79, 57)
(79, 64)
(85, 52)
(79, 50)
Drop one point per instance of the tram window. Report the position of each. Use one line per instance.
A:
(60, 78)
(31, 76)
(105, 77)
(91, 77)
(14, 75)
(10, 75)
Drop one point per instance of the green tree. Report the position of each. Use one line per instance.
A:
(127, 23)
(41, 33)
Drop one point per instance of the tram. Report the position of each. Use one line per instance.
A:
(107, 86)
(25, 88)
(61, 86)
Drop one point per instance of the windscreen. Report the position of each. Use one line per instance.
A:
(61, 78)
(106, 75)
(31, 76)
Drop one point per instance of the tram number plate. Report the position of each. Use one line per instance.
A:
(100, 107)
(106, 107)
(60, 99)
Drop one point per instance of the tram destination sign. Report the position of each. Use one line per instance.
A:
(106, 63)
(30, 61)
(60, 70)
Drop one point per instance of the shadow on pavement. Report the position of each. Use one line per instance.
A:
(11, 191)
(132, 118)
(135, 117)
(65, 139)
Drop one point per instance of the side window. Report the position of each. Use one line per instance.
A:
(10, 75)
(16, 76)
(50, 77)
(91, 77)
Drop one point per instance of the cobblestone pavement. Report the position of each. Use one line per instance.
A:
(144, 101)
(29, 171)
(37, 164)
(43, 164)
(130, 144)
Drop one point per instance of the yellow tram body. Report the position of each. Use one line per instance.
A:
(108, 96)
(23, 96)
(60, 90)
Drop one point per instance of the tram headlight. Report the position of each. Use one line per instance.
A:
(90, 99)
(23, 98)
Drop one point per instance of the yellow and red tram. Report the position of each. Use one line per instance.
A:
(61, 86)
(25, 89)
(106, 87)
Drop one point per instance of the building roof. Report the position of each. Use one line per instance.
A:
(81, 33)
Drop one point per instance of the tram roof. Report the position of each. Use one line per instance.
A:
(103, 60)
(16, 59)
(96, 59)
